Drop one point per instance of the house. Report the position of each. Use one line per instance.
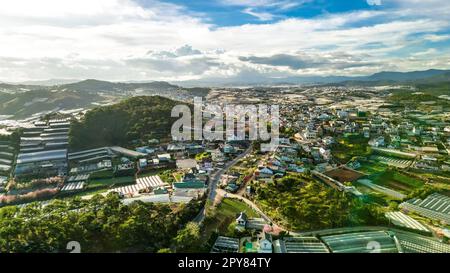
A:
(142, 162)
(328, 141)
(229, 149)
(377, 142)
(342, 114)
(265, 243)
(366, 132)
(309, 134)
(264, 172)
(194, 149)
(241, 220)
(163, 157)
(217, 156)
(153, 141)
(295, 168)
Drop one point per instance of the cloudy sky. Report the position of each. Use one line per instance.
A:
(174, 40)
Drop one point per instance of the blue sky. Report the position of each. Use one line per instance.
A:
(216, 40)
(232, 13)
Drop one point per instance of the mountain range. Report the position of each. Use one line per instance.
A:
(385, 77)
(92, 85)
(25, 99)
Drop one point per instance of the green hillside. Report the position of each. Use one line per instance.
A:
(137, 118)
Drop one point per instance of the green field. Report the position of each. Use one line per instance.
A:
(231, 207)
(372, 167)
(109, 182)
(396, 181)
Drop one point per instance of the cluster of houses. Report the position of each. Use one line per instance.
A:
(410, 131)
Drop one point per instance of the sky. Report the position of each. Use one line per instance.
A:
(175, 40)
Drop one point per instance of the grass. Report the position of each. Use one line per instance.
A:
(102, 174)
(224, 215)
(350, 146)
(108, 182)
(396, 181)
(372, 168)
(231, 207)
(178, 176)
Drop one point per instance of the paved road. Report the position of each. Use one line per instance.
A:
(214, 180)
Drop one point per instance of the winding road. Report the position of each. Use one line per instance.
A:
(215, 177)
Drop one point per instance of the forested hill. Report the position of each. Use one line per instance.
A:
(138, 118)
(100, 224)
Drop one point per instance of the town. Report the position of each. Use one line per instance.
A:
(376, 160)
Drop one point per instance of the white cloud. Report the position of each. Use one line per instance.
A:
(437, 38)
(262, 16)
(120, 40)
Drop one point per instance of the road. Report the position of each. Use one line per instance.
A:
(214, 180)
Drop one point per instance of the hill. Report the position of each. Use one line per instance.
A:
(381, 78)
(405, 76)
(137, 118)
(24, 104)
(21, 100)
(92, 85)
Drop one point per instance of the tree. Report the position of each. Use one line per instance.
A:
(187, 239)
(101, 224)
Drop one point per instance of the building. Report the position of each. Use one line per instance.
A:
(265, 243)
(242, 219)
(299, 245)
(361, 242)
(225, 245)
(48, 163)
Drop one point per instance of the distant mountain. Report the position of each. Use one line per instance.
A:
(405, 76)
(50, 82)
(25, 104)
(384, 77)
(21, 101)
(8, 87)
(92, 85)
(445, 77)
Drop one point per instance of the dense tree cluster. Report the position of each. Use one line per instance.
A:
(303, 204)
(138, 118)
(101, 224)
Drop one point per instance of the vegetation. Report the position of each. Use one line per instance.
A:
(187, 239)
(423, 192)
(101, 224)
(221, 220)
(350, 146)
(110, 182)
(397, 181)
(299, 203)
(141, 118)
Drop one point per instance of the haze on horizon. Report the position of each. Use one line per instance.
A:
(174, 40)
